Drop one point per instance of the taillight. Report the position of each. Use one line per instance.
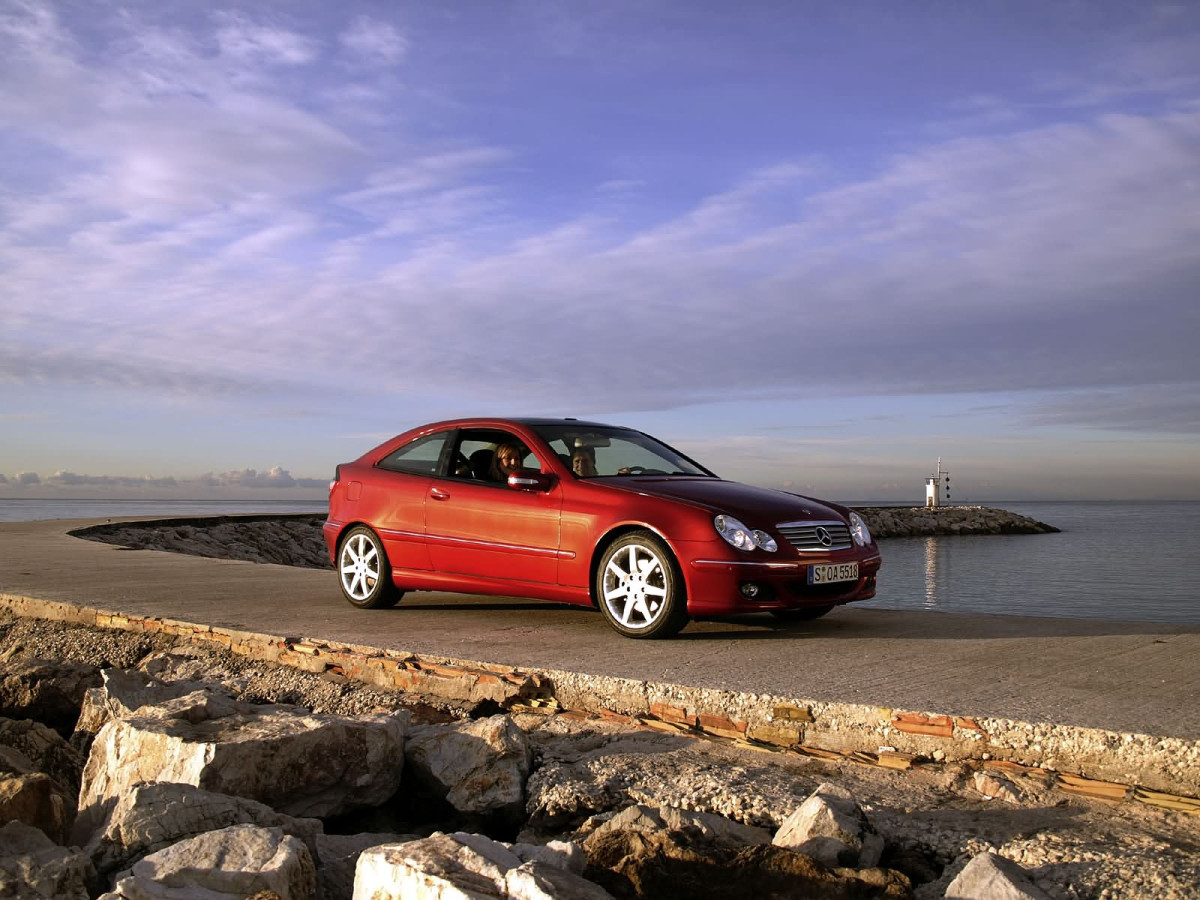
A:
(337, 474)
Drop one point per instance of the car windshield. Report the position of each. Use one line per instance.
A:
(605, 452)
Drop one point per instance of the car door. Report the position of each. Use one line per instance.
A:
(479, 527)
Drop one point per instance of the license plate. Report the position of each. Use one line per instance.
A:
(831, 572)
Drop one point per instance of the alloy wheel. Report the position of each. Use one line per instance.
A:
(635, 586)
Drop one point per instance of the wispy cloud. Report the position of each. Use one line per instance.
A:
(1170, 409)
(241, 38)
(267, 204)
(71, 479)
(372, 41)
(275, 477)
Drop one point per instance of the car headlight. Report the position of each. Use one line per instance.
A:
(859, 530)
(739, 535)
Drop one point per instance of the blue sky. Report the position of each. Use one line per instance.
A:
(814, 245)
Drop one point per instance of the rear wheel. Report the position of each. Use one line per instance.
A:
(802, 614)
(639, 588)
(363, 571)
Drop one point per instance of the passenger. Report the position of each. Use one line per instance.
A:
(506, 460)
(583, 462)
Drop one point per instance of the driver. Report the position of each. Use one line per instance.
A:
(583, 462)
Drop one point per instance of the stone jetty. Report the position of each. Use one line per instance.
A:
(295, 540)
(918, 521)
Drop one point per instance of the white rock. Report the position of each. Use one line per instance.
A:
(298, 763)
(668, 818)
(432, 868)
(32, 865)
(45, 751)
(562, 854)
(232, 863)
(154, 816)
(459, 866)
(996, 787)
(337, 857)
(541, 881)
(830, 827)
(39, 801)
(123, 692)
(478, 766)
(991, 877)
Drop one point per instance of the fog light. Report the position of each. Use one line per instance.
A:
(749, 590)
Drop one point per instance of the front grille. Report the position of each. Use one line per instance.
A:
(803, 535)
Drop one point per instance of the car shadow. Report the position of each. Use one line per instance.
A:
(493, 606)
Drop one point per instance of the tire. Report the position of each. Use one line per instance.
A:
(639, 589)
(802, 614)
(364, 574)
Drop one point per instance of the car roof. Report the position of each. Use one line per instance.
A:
(575, 422)
(528, 421)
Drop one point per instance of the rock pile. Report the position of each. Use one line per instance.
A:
(182, 788)
(297, 540)
(917, 521)
(290, 540)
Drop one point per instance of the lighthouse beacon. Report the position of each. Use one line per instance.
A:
(933, 487)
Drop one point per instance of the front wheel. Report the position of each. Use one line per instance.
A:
(639, 588)
(363, 571)
(802, 613)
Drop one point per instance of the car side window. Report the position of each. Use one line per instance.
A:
(419, 457)
(476, 451)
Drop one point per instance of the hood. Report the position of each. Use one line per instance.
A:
(755, 506)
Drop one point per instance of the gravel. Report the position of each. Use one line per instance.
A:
(1074, 848)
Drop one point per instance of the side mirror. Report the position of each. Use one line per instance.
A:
(529, 480)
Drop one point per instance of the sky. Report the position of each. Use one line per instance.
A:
(815, 246)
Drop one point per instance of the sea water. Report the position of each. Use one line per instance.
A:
(1112, 560)
(26, 509)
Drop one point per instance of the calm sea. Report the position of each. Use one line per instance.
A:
(30, 510)
(1128, 561)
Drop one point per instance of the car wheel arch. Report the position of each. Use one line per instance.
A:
(616, 533)
(346, 528)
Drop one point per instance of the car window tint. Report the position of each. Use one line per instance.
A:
(617, 451)
(419, 457)
(477, 447)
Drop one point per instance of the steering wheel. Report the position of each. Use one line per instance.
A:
(632, 470)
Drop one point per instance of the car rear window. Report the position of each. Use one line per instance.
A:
(417, 457)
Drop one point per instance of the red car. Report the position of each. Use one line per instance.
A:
(584, 513)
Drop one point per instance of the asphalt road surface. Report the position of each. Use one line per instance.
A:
(1112, 675)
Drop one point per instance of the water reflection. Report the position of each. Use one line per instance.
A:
(931, 567)
(1082, 571)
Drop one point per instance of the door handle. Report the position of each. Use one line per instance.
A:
(439, 494)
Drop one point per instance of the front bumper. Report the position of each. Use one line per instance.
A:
(715, 585)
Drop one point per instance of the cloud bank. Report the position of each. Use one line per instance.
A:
(275, 478)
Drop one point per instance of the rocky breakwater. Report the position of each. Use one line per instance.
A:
(296, 540)
(184, 790)
(288, 540)
(919, 521)
(178, 780)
